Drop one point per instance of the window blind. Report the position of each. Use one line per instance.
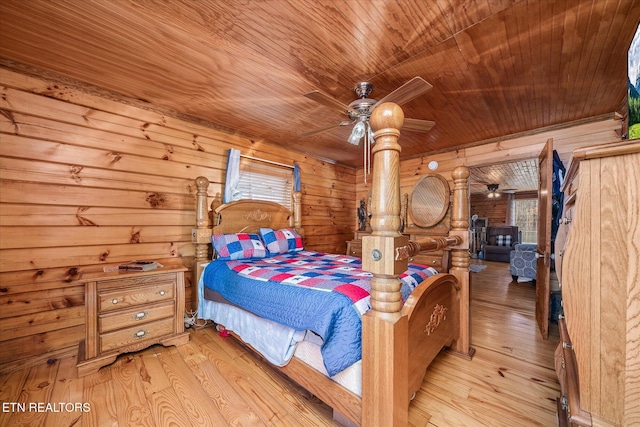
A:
(263, 181)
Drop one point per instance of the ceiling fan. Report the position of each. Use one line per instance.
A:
(359, 112)
(493, 193)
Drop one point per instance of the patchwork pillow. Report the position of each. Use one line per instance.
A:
(281, 241)
(503, 240)
(238, 246)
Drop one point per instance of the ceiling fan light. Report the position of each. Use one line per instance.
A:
(493, 191)
(357, 133)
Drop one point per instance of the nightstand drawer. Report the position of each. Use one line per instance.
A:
(136, 334)
(430, 260)
(354, 248)
(117, 299)
(135, 316)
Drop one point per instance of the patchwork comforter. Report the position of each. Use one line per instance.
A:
(323, 293)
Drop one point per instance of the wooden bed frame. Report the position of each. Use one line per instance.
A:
(398, 341)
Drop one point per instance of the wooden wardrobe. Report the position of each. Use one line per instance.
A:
(598, 249)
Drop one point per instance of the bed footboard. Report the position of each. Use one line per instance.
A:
(432, 314)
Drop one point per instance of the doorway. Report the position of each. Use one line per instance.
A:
(495, 187)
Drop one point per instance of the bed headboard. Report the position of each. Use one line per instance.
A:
(248, 216)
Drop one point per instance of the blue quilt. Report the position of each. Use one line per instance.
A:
(324, 293)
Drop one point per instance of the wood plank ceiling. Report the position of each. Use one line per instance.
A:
(511, 177)
(498, 67)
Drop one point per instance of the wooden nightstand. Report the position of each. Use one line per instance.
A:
(354, 247)
(129, 311)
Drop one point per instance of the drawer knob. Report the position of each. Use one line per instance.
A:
(140, 334)
(162, 293)
(114, 301)
(140, 316)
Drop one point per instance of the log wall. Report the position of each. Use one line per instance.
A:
(89, 181)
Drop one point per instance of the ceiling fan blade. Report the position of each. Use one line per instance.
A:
(417, 125)
(324, 129)
(405, 93)
(328, 101)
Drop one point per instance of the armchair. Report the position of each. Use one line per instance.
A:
(522, 261)
(500, 242)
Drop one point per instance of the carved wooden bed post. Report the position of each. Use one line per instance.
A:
(296, 221)
(201, 235)
(460, 258)
(384, 331)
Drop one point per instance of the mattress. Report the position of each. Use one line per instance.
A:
(308, 351)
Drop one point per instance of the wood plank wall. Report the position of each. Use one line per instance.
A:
(495, 210)
(510, 149)
(88, 181)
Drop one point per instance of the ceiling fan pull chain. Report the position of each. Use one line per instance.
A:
(366, 170)
(367, 151)
(368, 139)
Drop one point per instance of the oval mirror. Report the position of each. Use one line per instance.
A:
(429, 200)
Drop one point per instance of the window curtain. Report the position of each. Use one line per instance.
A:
(233, 175)
(296, 178)
(557, 195)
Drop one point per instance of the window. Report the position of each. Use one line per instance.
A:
(633, 82)
(263, 181)
(525, 216)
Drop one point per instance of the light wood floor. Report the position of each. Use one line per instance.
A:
(214, 381)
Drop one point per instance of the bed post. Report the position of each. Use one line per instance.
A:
(460, 258)
(296, 221)
(384, 331)
(200, 235)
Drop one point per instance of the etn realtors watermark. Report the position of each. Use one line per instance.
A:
(45, 407)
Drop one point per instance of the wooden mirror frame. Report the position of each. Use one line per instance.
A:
(420, 187)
